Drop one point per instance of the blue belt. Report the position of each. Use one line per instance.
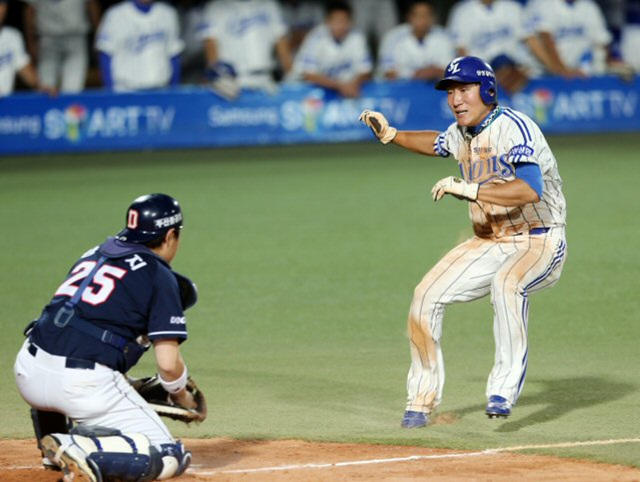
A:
(70, 362)
(535, 231)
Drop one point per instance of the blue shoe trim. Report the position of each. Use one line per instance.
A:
(498, 406)
(413, 419)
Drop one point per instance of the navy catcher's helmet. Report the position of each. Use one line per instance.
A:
(471, 70)
(149, 217)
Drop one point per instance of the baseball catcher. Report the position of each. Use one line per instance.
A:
(119, 299)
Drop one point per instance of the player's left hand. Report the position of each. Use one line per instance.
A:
(188, 405)
(456, 187)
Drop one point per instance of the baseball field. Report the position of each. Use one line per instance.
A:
(306, 259)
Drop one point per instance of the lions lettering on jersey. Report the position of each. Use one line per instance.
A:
(505, 139)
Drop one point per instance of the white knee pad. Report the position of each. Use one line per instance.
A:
(125, 457)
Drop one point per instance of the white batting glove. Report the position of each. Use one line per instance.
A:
(457, 187)
(379, 125)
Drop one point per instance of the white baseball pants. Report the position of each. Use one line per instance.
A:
(100, 396)
(63, 61)
(509, 268)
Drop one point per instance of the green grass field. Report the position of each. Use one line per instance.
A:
(306, 259)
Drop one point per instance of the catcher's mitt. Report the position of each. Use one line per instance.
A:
(158, 398)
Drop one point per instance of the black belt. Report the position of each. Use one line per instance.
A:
(70, 362)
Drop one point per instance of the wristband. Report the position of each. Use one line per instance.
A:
(176, 385)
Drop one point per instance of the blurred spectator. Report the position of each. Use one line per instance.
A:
(239, 41)
(13, 57)
(418, 49)
(494, 30)
(300, 16)
(630, 41)
(139, 46)
(334, 55)
(573, 35)
(374, 18)
(56, 35)
(191, 13)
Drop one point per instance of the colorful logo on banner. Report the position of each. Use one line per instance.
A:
(78, 122)
(542, 99)
(558, 107)
(312, 107)
(75, 117)
(318, 112)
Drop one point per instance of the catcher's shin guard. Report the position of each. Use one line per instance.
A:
(111, 455)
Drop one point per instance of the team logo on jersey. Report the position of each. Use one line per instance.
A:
(480, 170)
(132, 219)
(521, 150)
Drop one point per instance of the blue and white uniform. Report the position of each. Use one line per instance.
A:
(515, 252)
(321, 54)
(140, 46)
(578, 28)
(13, 58)
(493, 31)
(402, 52)
(631, 36)
(133, 298)
(245, 32)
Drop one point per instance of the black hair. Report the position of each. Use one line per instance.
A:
(155, 243)
(337, 6)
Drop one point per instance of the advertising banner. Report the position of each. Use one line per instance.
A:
(192, 117)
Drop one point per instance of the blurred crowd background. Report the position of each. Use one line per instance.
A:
(70, 45)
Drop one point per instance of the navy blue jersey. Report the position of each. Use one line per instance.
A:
(133, 293)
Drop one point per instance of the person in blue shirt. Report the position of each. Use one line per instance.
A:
(117, 300)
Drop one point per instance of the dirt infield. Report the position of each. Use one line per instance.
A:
(288, 460)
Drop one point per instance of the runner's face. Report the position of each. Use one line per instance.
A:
(466, 105)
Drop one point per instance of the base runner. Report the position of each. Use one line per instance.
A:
(511, 182)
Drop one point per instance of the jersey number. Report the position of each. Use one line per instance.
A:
(104, 278)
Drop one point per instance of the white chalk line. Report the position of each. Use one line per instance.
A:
(486, 452)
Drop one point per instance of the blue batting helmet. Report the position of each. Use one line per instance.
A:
(149, 218)
(471, 70)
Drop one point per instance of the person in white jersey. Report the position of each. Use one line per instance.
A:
(240, 38)
(334, 55)
(511, 182)
(574, 35)
(417, 49)
(56, 33)
(495, 30)
(14, 59)
(139, 46)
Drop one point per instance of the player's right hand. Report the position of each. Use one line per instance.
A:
(379, 125)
